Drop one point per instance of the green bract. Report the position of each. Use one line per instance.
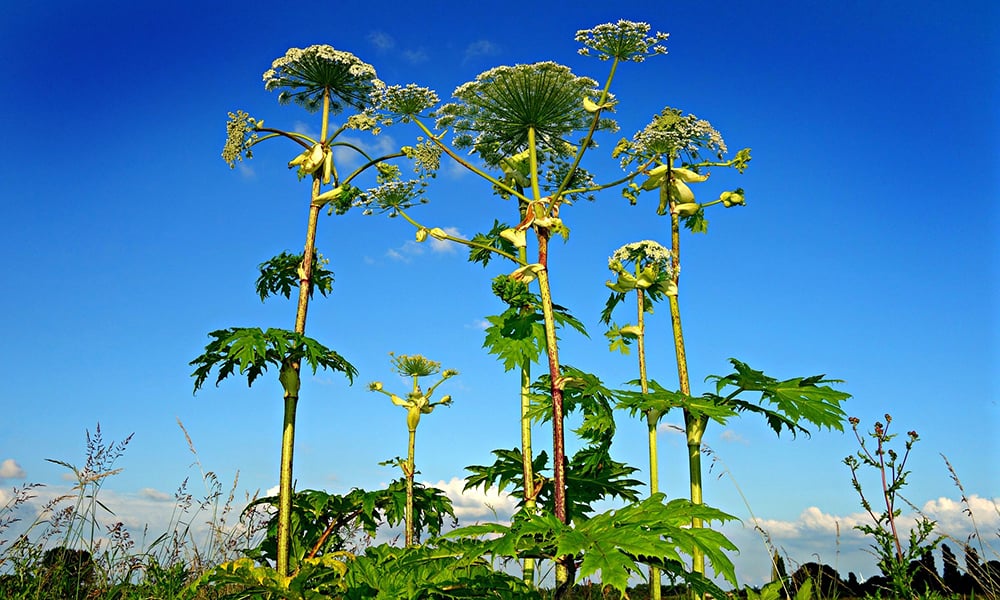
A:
(495, 112)
(303, 74)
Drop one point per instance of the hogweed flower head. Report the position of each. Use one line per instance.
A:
(240, 137)
(404, 101)
(624, 40)
(495, 112)
(643, 255)
(671, 133)
(414, 365)
(303, 75)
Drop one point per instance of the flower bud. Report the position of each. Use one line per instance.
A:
(686, 209)
(687, 175)
(439, 234)
(421, 234)
(732, 199)
(631, 330)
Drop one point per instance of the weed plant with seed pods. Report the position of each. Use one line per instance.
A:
(528, 133)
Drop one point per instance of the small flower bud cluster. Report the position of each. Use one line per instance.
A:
(240, 137)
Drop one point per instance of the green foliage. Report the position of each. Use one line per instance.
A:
(438, 571)
(315, 579)
(517, 335)
(659, 401)
(323, 523)
(479, 249)
(797, 400)
(282, 273)
(251, 350)
(615, 543)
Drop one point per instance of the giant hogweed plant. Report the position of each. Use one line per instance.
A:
(530, 126)
(674, 147)
(417, 403)
(321, 80)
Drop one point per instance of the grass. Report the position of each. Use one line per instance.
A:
(74, 549)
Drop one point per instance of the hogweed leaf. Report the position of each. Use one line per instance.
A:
(251, 350)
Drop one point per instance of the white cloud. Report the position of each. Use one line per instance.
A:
(445, 246)
(154, 494)
(478, 503)
(415, 56)
(481, 48)
(728, 435)
(9, 469)
(347, 158)
(480, 325)
(246, 171)
(381, 40)
(305, 129)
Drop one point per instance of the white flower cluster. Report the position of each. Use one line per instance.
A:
(624, 40)
(292, 63)
(644, 253)
(405, 101)
(670, 133)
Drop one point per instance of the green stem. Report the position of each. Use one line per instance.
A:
(693, 425)
(291, 401)
(285, 483)
(528, 570)
(651, 418)
(410, 538)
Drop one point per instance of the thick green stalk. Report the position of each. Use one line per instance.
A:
(409, 471)
(291, 401)
(694, 425)
(528, 570)
(651, 419)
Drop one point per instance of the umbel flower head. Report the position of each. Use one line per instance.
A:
(624, 40)
(671, 134)
(495, 112)
(643, 265)
(303, 74)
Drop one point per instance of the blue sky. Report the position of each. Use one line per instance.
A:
(867, 250)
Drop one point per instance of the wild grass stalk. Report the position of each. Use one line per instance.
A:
(76, 546)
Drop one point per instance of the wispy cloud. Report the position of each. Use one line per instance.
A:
(481, 48)
(444, 246)
(9, 469)
(415, 56)
(728, 435)
(381, 40)
(411, 248)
